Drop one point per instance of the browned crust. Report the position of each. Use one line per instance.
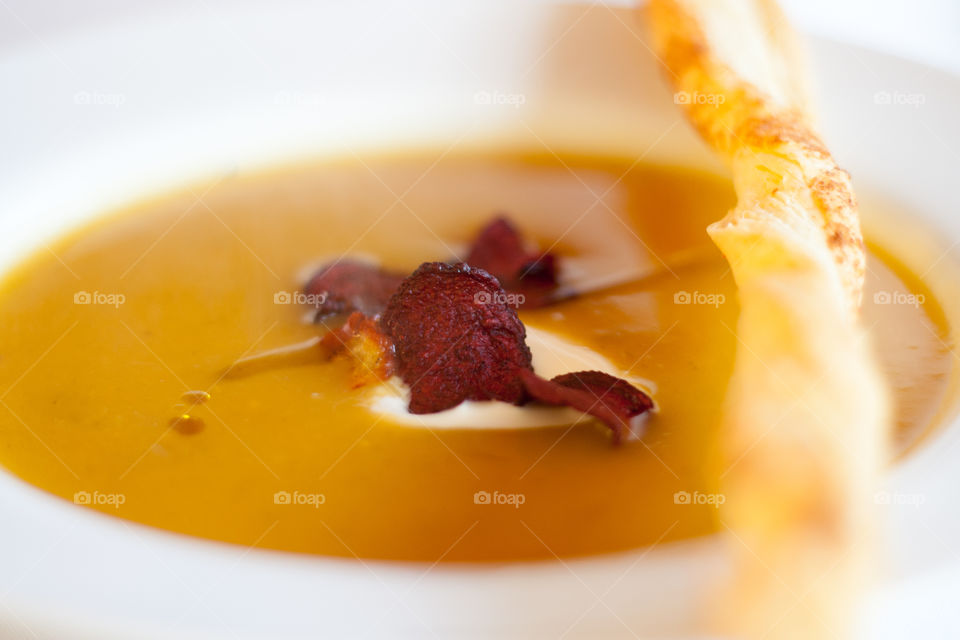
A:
(752, 120)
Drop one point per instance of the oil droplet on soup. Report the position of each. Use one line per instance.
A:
(186, 424)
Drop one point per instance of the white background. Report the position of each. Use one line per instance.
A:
(923, 30)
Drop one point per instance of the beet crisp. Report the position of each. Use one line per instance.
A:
(613, 400)
(452, 333)
(346, 286)
(501, 251)
(455, 338)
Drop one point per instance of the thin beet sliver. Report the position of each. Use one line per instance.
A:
(613, 400)
(500, 250)
(346, 286)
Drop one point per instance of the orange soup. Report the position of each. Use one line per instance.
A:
(113, 333)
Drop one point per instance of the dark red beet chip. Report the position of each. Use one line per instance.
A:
(347, 285)
(614, 401)
(500, 250)
(456, 338)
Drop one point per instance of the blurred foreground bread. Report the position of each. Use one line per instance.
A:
(805, 426)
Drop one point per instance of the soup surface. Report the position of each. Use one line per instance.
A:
(102, 335)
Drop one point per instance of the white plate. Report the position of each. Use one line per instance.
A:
(97, 118)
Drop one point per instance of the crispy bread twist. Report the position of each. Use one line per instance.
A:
(805, 423)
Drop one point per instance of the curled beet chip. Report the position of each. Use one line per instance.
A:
(613, 400)
(499, 249)
(456, 338)
(346, 286)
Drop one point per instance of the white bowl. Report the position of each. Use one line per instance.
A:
(101, 117)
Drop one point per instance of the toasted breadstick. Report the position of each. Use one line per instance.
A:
(805, 424)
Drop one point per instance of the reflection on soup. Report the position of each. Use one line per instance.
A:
(103, 335)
